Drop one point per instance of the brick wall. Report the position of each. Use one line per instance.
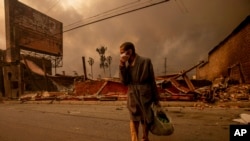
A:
(235, 49)
(88, 87)
(91, 87)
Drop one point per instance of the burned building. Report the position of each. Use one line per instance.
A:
(33, 47)
(15, 78)
(230, 58)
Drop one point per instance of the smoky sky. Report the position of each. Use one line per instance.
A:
(182, 31)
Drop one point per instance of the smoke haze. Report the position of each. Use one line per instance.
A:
(183, 31)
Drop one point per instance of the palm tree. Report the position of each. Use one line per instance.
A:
(101, 52)
(91, 62)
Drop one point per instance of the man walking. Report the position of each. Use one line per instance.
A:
(137, 73)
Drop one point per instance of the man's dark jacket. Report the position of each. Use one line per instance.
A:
(142, 89)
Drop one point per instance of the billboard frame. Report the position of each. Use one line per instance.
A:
(30, 31)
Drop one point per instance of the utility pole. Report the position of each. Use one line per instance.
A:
(84, 68)
(165, 66)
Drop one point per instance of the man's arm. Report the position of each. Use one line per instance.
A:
(123, 73)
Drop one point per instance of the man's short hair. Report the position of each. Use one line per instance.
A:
(128, 45)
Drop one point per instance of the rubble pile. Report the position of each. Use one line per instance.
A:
(106, 91)
(171, 88)
(235, 93)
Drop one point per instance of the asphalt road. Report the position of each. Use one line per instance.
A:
(107, 122)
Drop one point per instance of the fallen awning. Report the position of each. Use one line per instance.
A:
(33, 67)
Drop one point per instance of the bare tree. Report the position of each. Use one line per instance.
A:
(91, 63)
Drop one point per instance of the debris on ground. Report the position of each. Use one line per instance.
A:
(244, 119)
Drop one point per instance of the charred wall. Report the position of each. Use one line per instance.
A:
(16, 78)
(12, 81)
(231, 57)
(2, 63)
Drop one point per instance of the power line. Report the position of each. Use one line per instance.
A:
(115, 10)
(53, 5)
(97, 15)
(116, 15)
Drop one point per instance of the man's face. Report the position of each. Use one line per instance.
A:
(125, 54)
